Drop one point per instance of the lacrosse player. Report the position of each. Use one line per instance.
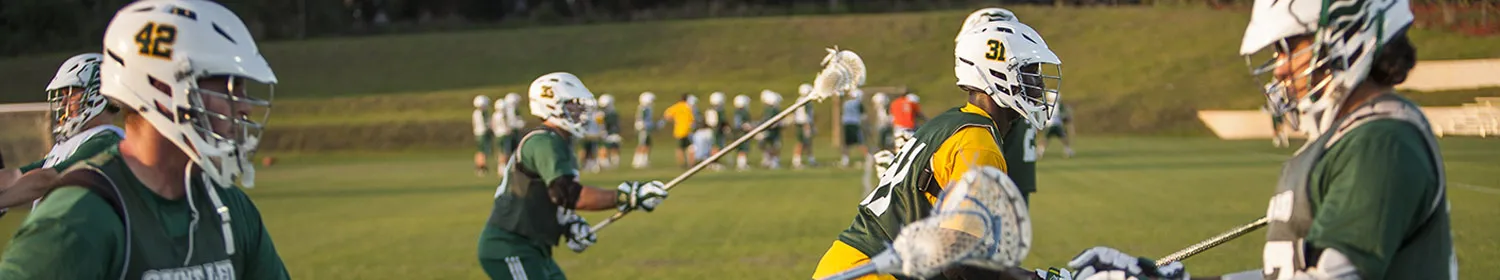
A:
(716, 118)
(682, 117)
(536, 202)
(803, 121)
(81, 128)
(882, 121)
(854, 116)
(132, 211)
(482, 135)
(643, 127)
(771, 143)
(610, 155)
(952, 142)
(743, 124)
(500, 121)
(1364, 198)
(1058, 127)
(1019, 145)
(515, 124)
(593, 133)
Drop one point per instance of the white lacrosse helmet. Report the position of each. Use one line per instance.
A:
(481, 102)
(606, 101)
(647, 98)
(500, 106)
(156, 54)
(856, 94)
(804, 89)
(692, 100)
(913, 98)
(73, 95)
(770, 97)
(561, 99)
(1005, 59)
(716, 98)
(1347, 35)
(880, 99)
(982, 16)
(740, 101)
(512, 99)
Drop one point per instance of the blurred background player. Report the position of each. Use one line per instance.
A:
(484, 138)
(1366, 197)
(682, 116)
(536, 203)
(702, 144)
(593, 135)
(644, 125)
(951, 143)
(82, 126)
(1060, 125)
(771, 143)
(743, 124)
(610, 155)
(514, 123)
(176, 171)
(716, 118)
(500, 126)
(806, 129)
(882, 121)
(853, 118)
(906, 115)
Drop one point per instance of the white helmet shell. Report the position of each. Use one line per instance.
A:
(80, 71)
(993, 57)
(561, 99)
(647, 98)
(880, 99)
(716, 98)
(481, 102)
(692, 100)
(500, 106)
(513, 100)
(185, 41)
(804, 89)
(606, 101)
(740, 101)
(770, 97)
(913, 98)
(982, 16)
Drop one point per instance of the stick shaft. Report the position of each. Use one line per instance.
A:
(715, 157)
(1213, 242)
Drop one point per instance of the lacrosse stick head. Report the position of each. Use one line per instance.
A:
(843, 71)
(979, 220)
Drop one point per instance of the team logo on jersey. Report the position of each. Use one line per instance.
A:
(220, 270)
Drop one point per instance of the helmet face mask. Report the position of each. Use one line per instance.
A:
(1009, 61)
(1316, 52)
(188, 67)
(73, 96)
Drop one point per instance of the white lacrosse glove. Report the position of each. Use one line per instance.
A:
(1104, 263)
(580, 236)
(1054, 273)
(640, 195)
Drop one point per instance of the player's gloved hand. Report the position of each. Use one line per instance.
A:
(580, 236)
(640, 195)
(1104, 263)
(883, 160)
(1054, 273)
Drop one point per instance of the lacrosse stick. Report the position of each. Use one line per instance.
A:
(842, 70)
(1212, 242)
(979, 221)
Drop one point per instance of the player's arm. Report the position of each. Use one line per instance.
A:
(73, 235)
(559, 169)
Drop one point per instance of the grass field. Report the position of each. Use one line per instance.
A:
(416, 215)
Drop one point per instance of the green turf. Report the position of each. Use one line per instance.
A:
(417, 215)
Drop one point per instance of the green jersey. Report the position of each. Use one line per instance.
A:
(523, 204)
(1373, 191)
(611, 122)
(773, 132)
(114, 227)
(901, 196)
(1019, 149)
(82, 146)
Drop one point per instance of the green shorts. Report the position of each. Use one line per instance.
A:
(804, 135)
(1056, 131)
(483, 143)
(772, 140)
(614, 143)
(684, 142)
(506, 255)
(852, 135)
